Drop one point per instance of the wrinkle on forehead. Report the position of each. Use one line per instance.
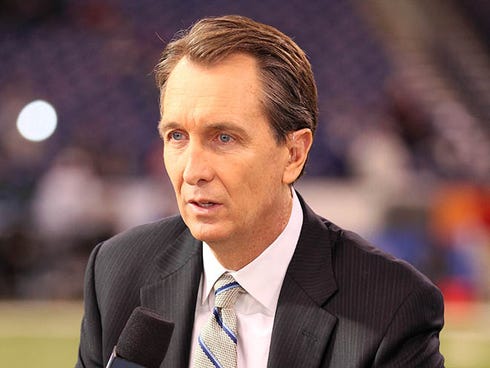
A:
(200, 93)
(237, 64)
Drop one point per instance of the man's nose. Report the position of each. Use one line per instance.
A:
(198, 167)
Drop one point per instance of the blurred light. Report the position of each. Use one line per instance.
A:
(37, 121)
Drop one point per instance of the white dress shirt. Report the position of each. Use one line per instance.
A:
(262, 280)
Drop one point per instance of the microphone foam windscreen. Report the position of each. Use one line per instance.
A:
(145, 338)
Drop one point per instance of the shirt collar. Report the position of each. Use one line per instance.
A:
(271, 264)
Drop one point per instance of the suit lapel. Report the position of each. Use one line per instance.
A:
(173, 294)
(302, 328)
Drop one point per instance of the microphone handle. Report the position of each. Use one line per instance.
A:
(118, 362)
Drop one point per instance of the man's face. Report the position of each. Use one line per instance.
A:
(220, 153)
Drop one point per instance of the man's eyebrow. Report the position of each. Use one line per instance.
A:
(218, 126)
(165, 125)
(227, 126)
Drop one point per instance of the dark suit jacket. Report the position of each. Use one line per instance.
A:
(343, 302)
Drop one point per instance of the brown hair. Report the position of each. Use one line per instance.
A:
(290, 95)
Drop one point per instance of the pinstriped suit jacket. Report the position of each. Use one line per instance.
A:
(343, 302)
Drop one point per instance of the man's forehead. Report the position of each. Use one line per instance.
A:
(238, 64)
(230, 81)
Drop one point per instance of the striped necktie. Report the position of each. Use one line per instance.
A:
(218, 338)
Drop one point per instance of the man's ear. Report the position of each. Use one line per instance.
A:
(298, 144)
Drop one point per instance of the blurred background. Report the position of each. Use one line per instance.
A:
(401, 155)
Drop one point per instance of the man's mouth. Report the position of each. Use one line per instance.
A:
(203, 204)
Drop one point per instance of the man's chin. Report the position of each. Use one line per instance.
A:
(207, 233)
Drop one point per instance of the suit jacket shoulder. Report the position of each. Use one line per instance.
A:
(126, 259)
(390, 306)
(369, 308)
(118, 271)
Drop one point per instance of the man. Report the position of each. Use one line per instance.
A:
(238, 113)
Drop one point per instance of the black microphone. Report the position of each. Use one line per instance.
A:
(143, 342)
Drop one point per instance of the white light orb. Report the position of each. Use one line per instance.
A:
(37, 121)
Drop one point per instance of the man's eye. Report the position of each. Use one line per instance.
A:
(176, 136)
(225, 138)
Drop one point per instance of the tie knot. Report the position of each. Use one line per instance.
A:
(226, 291)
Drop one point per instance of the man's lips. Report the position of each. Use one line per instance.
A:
(203, 203)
